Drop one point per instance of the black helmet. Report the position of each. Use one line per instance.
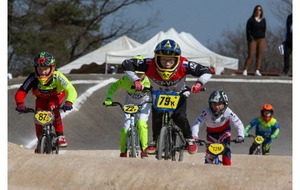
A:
(218, 97)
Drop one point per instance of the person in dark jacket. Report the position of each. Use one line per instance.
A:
(288, 44)
(256, 38)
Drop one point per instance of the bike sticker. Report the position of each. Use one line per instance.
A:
(216, 148)
(168, 101)
(130, 108)
(259, 139)
(43, 117)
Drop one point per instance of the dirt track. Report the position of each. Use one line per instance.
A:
(91, 160)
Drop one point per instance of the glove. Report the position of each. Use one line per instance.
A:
(239, 139)
(138, 85)
(246, 134)
(67, 106)
(107, 102)
(21, 107)
(196, 87)
(273, 136)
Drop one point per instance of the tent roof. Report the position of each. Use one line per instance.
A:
(191, 49)
(98, 56)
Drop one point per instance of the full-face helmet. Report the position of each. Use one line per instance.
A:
(167, 48)
(267, 112)
(215, 98)
(44, 59)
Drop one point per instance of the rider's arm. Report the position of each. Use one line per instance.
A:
(129, 66)
(237, 123)
(24, 88)
(200, 120)
(64, 84)
(202, 72)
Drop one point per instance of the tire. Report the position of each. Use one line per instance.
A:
(132, 143)
(45, 145)
(54, 145)
(163, 144)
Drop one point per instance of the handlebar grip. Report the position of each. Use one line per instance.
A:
(203, 89)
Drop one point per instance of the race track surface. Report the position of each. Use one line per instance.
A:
(92, 129)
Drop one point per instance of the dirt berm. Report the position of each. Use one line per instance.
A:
(91, 160)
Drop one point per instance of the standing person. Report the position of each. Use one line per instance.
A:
(288, 44)
(167, 71)
(134, 97)
(217, 118)
(50, 87)
(256, 38)
(266, 126)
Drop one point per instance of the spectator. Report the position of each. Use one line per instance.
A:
(288, 45)
(255, 32)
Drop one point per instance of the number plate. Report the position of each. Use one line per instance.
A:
(130, 108)
(167, 101)
(216, 148)
(259, 139)
(43, 117)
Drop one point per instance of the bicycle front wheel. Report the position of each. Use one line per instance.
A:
(163, 150)
(131, 140)
(45, 145)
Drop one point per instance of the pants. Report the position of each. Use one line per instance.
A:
(255, 47)
(45, 104)
(179, 117)
(288, 48)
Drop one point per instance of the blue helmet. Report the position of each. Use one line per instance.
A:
(167, 48)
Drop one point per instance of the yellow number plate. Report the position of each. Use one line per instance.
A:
(43, 117)
(130, 108)
(168, 101)
(259, 139)
(216, 148)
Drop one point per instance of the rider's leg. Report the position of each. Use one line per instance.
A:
(252, 148)
(143, 131)
(123, 150)
(266, 148)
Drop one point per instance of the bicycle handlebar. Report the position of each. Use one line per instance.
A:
(31, 110)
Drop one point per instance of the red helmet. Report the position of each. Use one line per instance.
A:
(267, 112)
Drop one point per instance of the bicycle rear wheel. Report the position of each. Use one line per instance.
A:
(163, 150)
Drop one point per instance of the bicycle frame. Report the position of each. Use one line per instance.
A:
(132, 136)
(47, 142)
(258, 140)
(215, 149)
(171, 139)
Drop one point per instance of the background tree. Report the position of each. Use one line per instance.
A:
(234, 43)
(67, 28)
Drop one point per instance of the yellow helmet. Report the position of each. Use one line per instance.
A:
(167, 48)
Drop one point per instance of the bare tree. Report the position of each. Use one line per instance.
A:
(68, 28)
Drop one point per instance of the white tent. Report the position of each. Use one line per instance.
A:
(98, 56)
(192, 49)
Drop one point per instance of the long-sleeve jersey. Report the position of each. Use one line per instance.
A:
(176, 82)
(263, 128)
(217, 125)
(58, 85)
(127, 84)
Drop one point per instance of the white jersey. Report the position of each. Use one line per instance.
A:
(217, 125)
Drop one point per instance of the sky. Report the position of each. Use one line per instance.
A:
(204, 20)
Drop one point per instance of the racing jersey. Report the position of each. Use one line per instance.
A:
(176, 82)
(58, 85)
(263, 128)
(127, 84)
(217, 125)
